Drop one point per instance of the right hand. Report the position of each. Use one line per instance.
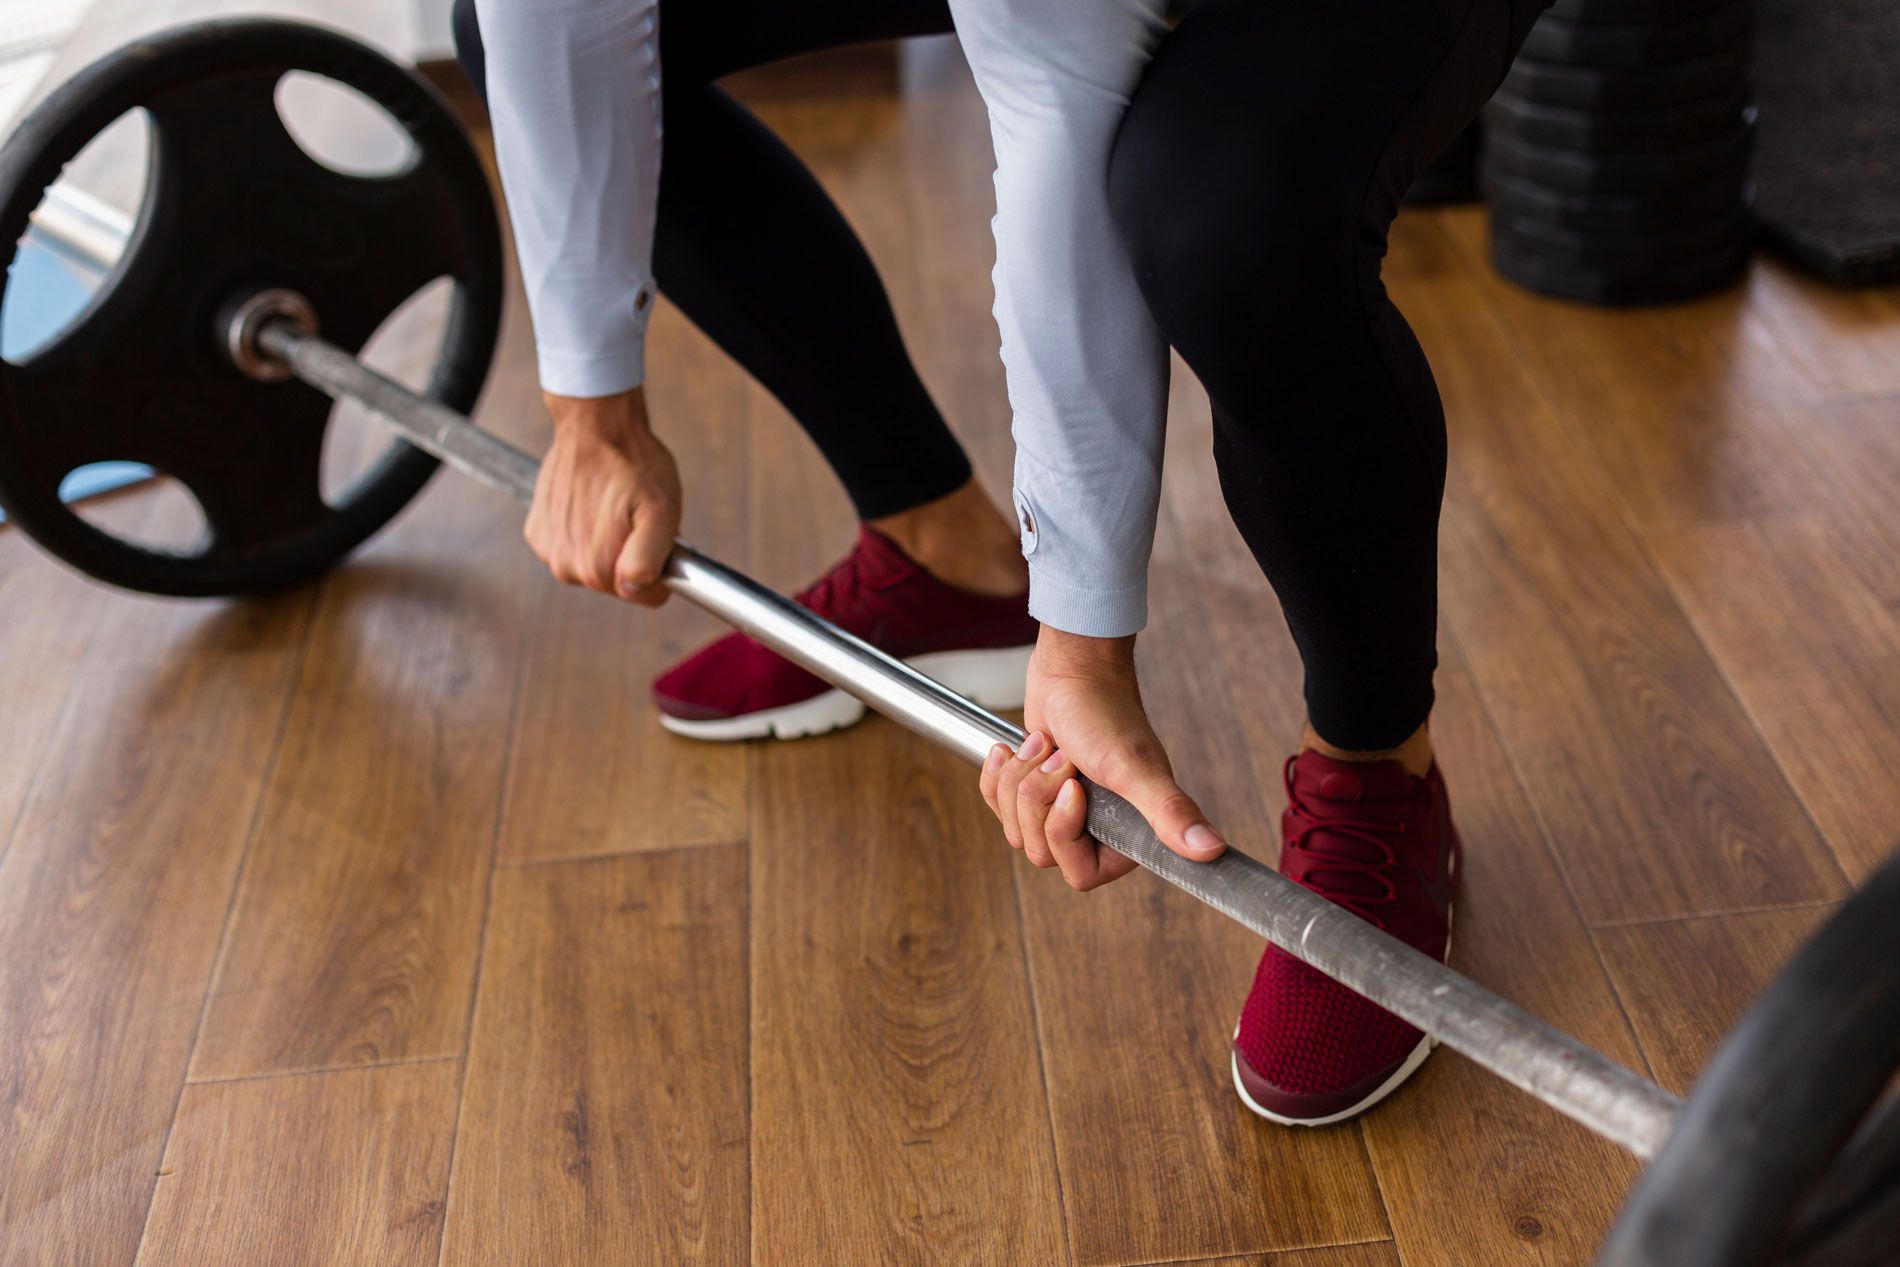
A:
(607, 504)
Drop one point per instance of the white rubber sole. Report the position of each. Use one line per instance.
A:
(992, 678)
(1384, 1089)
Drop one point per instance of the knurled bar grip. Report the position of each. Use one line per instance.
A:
(1572, 1078)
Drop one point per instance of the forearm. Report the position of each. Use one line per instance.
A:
(1087, 369)
(574, 92)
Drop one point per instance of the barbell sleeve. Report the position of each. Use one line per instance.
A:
(1563, 1072)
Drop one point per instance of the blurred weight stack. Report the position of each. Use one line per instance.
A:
(1616, 151)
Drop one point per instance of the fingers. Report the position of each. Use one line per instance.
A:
(992, 776)
(642, 559)
(1051, 819)
(1008, 789)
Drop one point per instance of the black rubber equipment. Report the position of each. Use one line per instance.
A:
(1788, 1089)
(1634, 88)
(234, 205)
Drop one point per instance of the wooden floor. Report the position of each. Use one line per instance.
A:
(379, 923)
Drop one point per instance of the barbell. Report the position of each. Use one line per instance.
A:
(233, 309)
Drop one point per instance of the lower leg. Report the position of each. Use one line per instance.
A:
(1254, 180)
(963, 539)
(1415, 754)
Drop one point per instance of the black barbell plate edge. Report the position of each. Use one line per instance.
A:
(1853, 1219)
(1778, 1101)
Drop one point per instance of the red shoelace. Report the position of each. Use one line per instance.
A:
(1344, 868)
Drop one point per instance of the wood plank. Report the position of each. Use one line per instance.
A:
(1814, 652)
(354, 938)
(111, 901)
(1857, 444)
(604, 1119)
(1618, 724)
(600, 776)
(347, 1167)
(1686, 982)
(1798, 336)
(893, 1045)
(1364, 1254)
(1649, 393)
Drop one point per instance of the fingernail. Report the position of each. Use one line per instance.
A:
(1067, 797)
(1054, 762)
(997, 756)
(1033, 747)
(1203, 839)
(627, 589)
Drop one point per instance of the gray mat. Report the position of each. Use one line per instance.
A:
(1827, 168)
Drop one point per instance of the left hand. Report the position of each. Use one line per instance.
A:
(1084, 713)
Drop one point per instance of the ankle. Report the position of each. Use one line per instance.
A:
(962, 539)
(1415, 754)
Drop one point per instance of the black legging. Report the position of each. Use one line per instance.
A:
(1254, 180)
(753, 251)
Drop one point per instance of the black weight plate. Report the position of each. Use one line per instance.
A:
(1615, 213)
(1617, 131)
(1621, 253)
(233, 205)
(1645, 43)
(1631, 10)
(1685, 280)
(1654, 175)
(1632, 87)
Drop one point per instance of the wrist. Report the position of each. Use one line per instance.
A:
(613, 417)
(1078, 654)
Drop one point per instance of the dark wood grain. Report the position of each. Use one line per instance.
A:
(604, 1119)
(1652, 399)
(1640, 763)
(1813, 650)
(1687, 982)
(112, 896)
(344, 1168)
(1365, 1254)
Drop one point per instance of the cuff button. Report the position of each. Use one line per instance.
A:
(1026, 521)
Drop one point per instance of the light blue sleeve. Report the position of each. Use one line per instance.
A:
(1086, 366)
(574, 96)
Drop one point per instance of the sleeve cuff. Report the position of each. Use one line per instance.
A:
(1090, 613)
(593, 373)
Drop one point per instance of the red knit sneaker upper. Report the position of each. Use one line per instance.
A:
(1378, 841)
(878, 593)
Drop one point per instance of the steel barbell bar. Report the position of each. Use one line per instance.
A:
(1575, 1079)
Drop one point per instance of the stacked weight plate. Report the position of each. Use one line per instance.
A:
(1616, 151)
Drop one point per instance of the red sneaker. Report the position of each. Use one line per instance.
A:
(1379, 842)
(973, 643)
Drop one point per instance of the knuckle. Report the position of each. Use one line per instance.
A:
(1176, 804)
